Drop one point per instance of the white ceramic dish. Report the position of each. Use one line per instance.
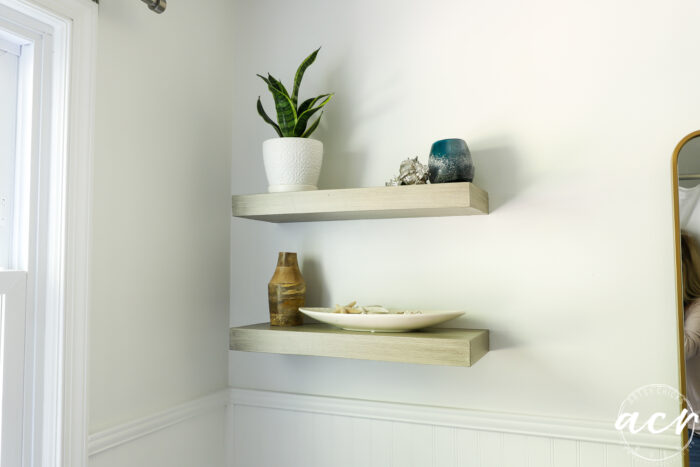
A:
(381, 322)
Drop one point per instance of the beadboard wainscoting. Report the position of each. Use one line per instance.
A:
(272, 429)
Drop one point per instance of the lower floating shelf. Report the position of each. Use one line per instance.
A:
(432, 346)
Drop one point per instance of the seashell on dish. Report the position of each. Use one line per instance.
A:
(379, 319)
(353, 309)
(373, 309)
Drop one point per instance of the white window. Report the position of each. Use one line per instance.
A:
(47, 58)
(15, 77)
(9, 72)
(12, 332)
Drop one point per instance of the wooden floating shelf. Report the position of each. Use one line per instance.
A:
(436, 200)
(432, 346)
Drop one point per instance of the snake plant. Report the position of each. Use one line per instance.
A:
(293, 118)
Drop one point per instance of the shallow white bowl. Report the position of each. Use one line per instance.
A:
(389, 322)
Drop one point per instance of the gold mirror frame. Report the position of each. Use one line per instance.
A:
(679, 279)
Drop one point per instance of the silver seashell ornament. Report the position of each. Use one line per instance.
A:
(411, 172)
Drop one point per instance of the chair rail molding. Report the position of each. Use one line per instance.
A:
(109, 438)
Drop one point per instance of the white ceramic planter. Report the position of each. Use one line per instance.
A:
(292, 164)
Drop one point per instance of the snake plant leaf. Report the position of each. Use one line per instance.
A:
(277, 84)
(292, 120)
(267, 81)
(300, 74)
(305, 105)
(265, 117)
(313, 126)
(308, 103)
(286, 113)
(303, 119)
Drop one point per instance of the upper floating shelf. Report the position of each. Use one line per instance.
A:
(437, 200)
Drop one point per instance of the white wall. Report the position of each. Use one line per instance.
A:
(571, 110)
(199, 442)
(160, 272)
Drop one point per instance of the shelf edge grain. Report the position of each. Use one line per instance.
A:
(435, 346)
(437, 200)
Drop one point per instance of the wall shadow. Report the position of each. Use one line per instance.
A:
(316, 290)
(346, 160)
(498, 170)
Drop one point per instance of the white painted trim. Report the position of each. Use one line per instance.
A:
(78, 226)
(62, 151)
(530, 425)
(130, 431)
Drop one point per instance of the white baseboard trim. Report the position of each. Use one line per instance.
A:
(529, 425)
(126, 432)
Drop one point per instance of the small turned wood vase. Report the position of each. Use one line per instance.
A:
(286, 292)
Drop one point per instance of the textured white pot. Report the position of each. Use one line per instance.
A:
(292, 164)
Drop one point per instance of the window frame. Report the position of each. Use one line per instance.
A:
(63, 36)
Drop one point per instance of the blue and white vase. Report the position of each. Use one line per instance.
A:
(450, 161)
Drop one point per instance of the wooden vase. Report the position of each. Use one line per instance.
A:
(286, 292)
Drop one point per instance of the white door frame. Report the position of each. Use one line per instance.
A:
(63, 36)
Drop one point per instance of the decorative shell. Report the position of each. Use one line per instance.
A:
(411, 172)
